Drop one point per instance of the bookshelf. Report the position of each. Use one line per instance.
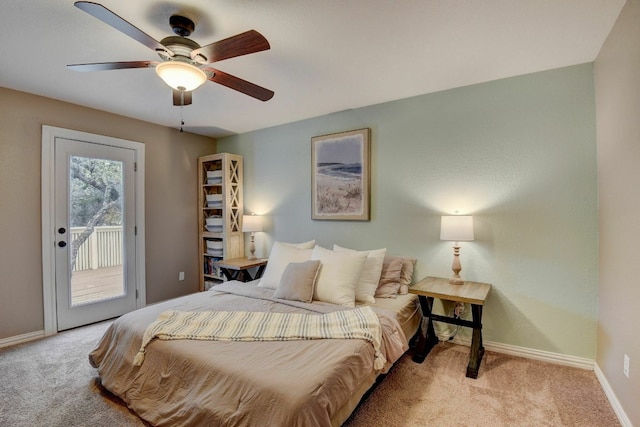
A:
(219, 214)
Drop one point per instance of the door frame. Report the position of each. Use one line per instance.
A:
(49, 135)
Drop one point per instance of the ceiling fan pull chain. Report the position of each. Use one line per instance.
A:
(181, 118)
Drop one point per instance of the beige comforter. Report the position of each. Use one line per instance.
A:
(216, 383)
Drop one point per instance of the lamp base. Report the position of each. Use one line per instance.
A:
(456, 281)
(252, 248)
(456, 267)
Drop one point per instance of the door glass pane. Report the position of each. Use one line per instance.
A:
(96, 220)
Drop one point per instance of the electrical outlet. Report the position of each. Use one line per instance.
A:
(181, 275)
(625, 367)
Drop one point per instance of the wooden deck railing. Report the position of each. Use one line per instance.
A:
(102, 249)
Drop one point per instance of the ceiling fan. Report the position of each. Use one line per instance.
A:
(183, 63)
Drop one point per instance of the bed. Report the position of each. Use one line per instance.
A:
(301, 382)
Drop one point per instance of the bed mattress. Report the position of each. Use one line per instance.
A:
(290, 383)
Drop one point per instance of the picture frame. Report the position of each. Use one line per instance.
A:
(340, 176)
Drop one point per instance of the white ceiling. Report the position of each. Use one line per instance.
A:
(325, 56)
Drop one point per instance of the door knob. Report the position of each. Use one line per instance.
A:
(62, 244)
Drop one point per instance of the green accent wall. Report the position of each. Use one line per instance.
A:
(518, 154)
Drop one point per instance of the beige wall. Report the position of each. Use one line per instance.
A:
(617, 82)
(171, 230)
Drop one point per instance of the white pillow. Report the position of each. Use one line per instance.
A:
(280, 256)
(338, 277)
(304, 245)
(368, 283)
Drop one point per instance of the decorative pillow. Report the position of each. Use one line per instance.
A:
(368, 283)
(298, 281)
(389, 278)
(338, 276)
(406, 275)
(408, 265)
(281, 255)
(304, 245)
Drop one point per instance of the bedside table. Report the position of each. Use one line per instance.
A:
(238, 268)
(473, 293)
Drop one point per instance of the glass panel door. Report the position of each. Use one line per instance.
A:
(95, 232)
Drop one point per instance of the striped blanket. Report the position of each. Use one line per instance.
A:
(360, 323)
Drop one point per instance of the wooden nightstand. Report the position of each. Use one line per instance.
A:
(473, 293)
(238, 268)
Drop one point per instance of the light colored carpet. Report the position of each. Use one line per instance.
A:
(509, 391)
(49, 382)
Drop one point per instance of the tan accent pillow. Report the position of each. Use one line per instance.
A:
(389, 278)
(298, 281)
(406, 275)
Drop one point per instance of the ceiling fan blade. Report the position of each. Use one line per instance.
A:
(240, 85)
(108, 17)
(238, 45)
(105, 66)
(182, 97)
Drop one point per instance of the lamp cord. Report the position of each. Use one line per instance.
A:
(457, 312)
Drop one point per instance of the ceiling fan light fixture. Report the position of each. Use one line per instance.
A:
(181, 75)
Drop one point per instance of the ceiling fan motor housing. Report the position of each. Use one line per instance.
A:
(181, 47)
(181, 25)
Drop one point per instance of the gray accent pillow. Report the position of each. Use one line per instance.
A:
(298, 281)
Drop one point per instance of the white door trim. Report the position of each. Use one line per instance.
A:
(49, 135)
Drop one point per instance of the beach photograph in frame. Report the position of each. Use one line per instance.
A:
(340, 176)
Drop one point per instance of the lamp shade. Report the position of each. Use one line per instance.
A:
(456, 228)
(251, 223)
(180, 75)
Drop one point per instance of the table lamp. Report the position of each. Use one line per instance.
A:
(456, 228)
(251, 224)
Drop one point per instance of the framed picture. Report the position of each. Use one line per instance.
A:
(340, 176)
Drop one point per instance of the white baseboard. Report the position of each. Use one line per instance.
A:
(528, 353)
(19, 339)
(613, 399)
(545, 356)
(560, 359)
